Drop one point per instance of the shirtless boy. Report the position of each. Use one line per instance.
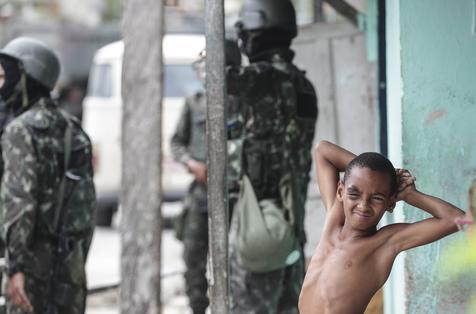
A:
(354, 259)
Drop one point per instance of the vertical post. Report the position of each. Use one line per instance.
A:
(318, 11)
(217, 161)
(382, 76)
(142, 89)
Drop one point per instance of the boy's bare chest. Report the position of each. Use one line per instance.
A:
(347, 274)
(341, 261)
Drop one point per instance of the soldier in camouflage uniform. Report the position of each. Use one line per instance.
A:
(5, 118)
(189, 146)
(271, 128)
(45, 265)
(5, 115)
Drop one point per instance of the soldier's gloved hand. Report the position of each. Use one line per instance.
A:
(16, 292)
(198, 169)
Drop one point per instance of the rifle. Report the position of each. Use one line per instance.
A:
(60, 293)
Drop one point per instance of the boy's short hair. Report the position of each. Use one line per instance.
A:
(375, 162)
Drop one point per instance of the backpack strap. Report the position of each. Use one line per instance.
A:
(68, 139)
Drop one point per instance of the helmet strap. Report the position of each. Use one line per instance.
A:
(24, 90)
(20, 90)
(10, 102)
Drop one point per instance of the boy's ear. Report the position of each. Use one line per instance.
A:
(340, 191)
(392, 202)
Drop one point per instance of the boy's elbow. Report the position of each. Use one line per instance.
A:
(459, 217)
(456, 213)
(450, 222)
(317, 153)
(452, 226)
(323, 143)
(321, 146)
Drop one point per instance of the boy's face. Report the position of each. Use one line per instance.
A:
(365, 196)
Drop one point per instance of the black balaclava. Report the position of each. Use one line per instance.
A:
(19, 91)
(36, 91)
(257, 45)
(4, 116)
(12, 76)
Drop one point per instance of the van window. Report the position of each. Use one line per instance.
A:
(100, 84)
(180, 80)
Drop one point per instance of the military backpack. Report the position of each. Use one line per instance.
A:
(272, 116)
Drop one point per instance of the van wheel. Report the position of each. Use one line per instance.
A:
(104, 216)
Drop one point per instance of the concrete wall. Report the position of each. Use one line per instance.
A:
(438, 71)
(334, 55)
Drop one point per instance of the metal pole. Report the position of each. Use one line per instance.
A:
(382, 76)
(141, 197)
(217, 161)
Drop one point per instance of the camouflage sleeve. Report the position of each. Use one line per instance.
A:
(181, 138)
(18, 193)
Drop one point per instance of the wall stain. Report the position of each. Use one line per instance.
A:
(434, 115)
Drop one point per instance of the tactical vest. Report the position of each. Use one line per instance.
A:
(198, 118)
(272, 110)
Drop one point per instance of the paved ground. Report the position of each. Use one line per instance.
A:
(103, 270)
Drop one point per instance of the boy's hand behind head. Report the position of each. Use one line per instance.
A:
(406, 184)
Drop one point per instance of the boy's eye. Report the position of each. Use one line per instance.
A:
(378, 199)
(353, 196)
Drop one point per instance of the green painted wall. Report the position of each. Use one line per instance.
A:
(438, 66)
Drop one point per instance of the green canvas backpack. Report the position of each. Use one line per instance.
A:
(266, 237)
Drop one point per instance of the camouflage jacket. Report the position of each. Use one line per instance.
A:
(189, 139)
(33, 154)
(190, 142)
(272, 114)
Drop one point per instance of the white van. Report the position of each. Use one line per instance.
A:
(102, 114)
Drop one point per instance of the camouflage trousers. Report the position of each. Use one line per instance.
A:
(265, 293)
(195, 240)
(37, 292)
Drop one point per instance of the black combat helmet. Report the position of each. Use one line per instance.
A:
(37, 60)
(267, 14)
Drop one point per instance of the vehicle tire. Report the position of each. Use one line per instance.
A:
(104, 216)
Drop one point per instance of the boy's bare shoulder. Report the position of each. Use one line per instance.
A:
(390, 230)
(334, 217)
(386, 234)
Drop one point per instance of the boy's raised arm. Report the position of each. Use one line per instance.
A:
(407, 236)
(330, 160)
